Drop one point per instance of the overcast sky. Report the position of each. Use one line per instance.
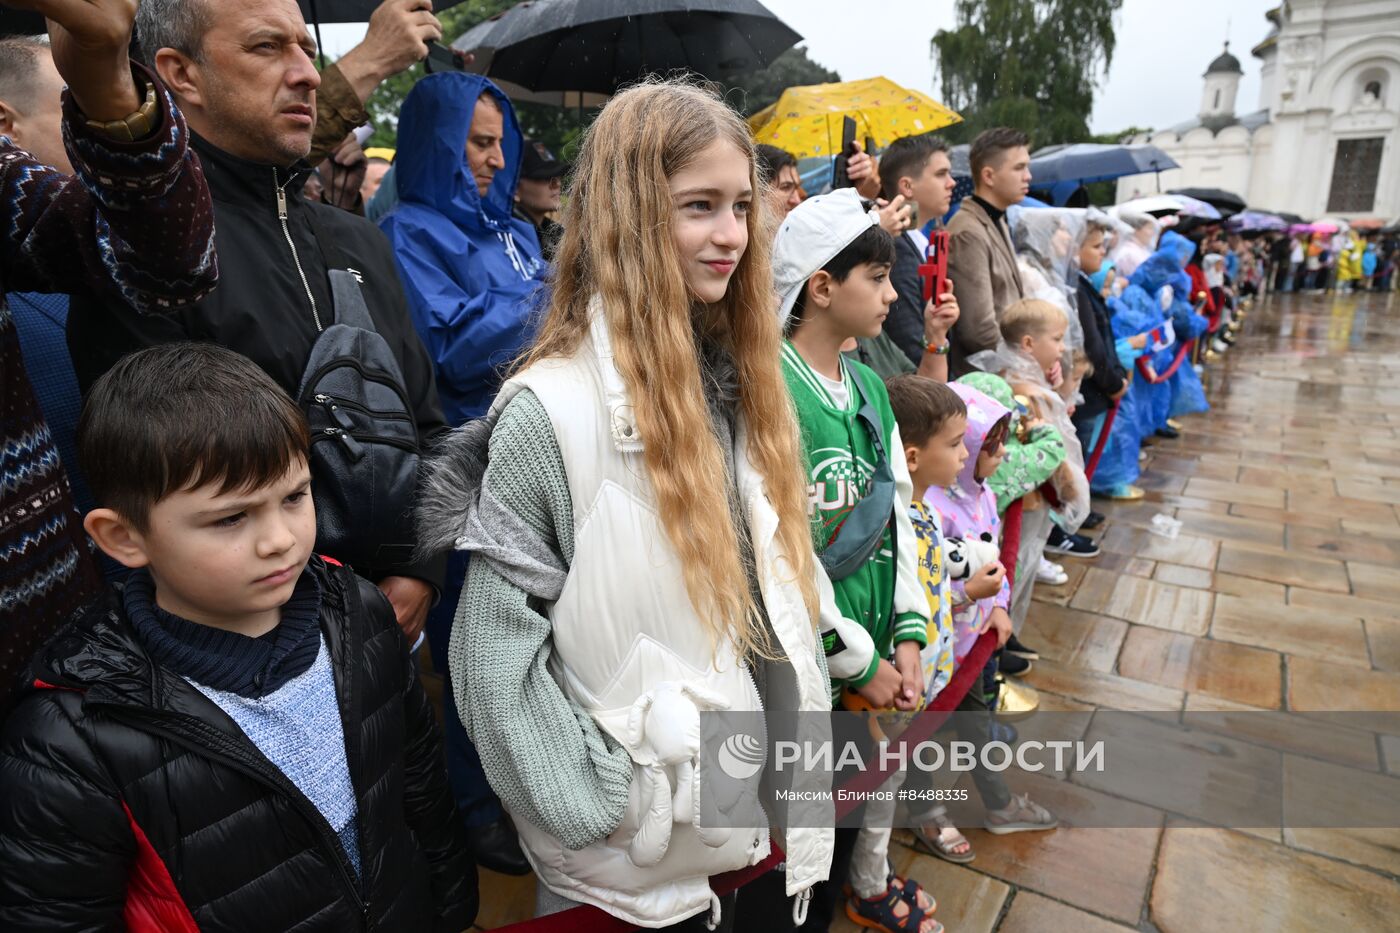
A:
(1155, 79)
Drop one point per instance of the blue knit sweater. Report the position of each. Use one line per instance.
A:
(279, 689)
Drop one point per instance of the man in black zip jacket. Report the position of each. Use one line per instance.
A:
(237, 740)
(243, 75)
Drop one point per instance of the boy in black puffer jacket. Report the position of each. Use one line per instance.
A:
(237, 740)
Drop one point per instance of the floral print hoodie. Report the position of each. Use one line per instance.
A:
(968, 509)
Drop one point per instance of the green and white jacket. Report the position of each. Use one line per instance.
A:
(884, 597)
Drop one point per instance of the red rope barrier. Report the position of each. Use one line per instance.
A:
(590, 918)
(969, 674)
(1011, 540)
(1146, 372)
(1101, 442)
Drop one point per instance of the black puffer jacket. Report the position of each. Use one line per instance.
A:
(128, 800)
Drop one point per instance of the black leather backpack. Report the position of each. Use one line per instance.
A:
(364, 440)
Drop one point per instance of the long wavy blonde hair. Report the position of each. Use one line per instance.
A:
(617, 245)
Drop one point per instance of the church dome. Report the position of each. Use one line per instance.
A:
(1225, 63)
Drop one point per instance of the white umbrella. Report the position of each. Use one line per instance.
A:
(1152, 204)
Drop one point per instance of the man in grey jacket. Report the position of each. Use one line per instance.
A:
(981, 259)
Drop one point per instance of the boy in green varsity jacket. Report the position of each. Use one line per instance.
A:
(831, 265)
(831, 262)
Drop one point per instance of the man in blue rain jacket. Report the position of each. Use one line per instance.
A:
(472, 271)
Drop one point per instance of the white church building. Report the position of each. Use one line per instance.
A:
(1325, 137)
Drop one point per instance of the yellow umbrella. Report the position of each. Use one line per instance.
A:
(806, 121)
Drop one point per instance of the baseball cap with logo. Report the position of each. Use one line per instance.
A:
(812, 235)
(539, 163)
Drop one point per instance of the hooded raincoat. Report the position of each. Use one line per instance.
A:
(1130, 252)
(1184, 394)
(1028, 463)
(1118, 465)
(1028, 379)
(1047, 253)
(968, 509)
(472, 271)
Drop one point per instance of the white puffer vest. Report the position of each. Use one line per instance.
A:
(630, 649)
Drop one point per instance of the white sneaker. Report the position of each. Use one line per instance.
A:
(1051, 574)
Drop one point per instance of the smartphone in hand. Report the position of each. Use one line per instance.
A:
(935, 266)
(839, 177)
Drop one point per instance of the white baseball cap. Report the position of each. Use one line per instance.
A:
(811, 236)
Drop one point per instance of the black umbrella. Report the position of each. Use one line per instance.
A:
(16, 22)
(351, 11)
(1291, 218)
(1227, 202)
(21, 23)
(600, 45)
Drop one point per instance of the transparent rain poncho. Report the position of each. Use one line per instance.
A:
(1047, 253)
(1139, 243)
(1028, 379)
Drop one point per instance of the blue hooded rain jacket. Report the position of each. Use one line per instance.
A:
(472, 272)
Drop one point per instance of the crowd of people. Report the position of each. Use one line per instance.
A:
(1344, 261)
(685, 440)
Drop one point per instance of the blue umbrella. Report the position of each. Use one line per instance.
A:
(1064, 168)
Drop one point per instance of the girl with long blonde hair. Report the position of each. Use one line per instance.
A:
(636, 509)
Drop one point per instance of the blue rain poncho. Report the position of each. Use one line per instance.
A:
(1158, 292)
(1118, 466)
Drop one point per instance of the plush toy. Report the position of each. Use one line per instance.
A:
(965, 556)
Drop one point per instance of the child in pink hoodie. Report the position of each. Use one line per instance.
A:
(968, 510)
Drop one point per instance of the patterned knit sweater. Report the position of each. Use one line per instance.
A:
(136, 223)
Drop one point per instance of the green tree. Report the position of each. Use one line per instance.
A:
(383, 105)
(1122, 136)
(753, 91)
(1031, 64)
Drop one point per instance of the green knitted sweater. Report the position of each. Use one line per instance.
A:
(542, 753)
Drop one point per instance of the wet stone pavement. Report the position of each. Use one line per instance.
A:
(1281, 592)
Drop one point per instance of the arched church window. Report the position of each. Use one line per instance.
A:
(1216, 105)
